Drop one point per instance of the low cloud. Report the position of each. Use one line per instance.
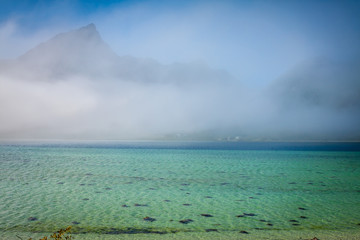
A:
(303, 105)
(319, 99)
(273, 86)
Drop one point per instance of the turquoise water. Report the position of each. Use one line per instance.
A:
(104, 191)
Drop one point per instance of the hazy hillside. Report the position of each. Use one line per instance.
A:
(83, 53)
(74, 86)
(319, 98)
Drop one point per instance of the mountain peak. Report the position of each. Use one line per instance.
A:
(75, 51)
(83, 39)
(88, 31)
(89, 27)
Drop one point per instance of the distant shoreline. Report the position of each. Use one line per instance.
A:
(193, 145)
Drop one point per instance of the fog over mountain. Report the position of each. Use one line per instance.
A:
(319, 98)
(74, 86)
(83, 53)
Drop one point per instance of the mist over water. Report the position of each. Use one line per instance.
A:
(205, 71)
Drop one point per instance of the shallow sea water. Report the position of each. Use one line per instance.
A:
(104, 191)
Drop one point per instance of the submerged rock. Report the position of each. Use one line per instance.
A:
(32, 219)
(149, 219)
(116, 231)
(186, 221)
(206, 215)
(224, 183)
(250, 214)
(75, 222)
(246, 215)
(140, 205)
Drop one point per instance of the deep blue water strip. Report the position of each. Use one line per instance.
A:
(279, 146)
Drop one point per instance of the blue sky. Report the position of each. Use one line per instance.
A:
(256, 41)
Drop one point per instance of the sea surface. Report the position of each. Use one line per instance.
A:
(180, 190)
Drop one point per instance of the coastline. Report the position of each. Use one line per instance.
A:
(302, 234)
